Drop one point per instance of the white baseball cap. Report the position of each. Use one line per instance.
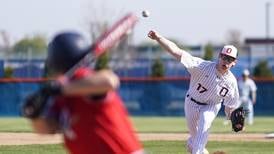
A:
(246, 72)
(229, 50)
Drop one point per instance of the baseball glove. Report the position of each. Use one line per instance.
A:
(237, 119)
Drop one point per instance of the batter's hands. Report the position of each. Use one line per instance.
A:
(153, 35)
(52, 88)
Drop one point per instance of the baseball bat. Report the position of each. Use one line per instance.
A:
(107, 40)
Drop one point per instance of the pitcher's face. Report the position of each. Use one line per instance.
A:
(225, 62)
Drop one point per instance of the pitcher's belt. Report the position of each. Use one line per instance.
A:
(195, 101)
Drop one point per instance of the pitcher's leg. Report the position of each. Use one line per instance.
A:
(207, 115)
(191, 115)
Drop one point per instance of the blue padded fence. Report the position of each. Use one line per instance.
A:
(141, 96)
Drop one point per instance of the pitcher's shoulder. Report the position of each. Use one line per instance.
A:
(232, 78)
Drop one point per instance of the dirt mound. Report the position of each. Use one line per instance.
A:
(31, 138)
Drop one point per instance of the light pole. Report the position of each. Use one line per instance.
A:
(267, 20)
(267, 27)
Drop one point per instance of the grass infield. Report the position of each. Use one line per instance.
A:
(156, 125)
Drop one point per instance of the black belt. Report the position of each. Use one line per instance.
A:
(193, 100)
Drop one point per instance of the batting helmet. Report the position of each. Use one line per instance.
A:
(64, 51)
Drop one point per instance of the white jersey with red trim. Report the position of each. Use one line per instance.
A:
(207, 85)
(207, 90)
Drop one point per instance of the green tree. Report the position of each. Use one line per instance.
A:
(157, 68)
(8, 72)
(208, 52)
(102, 62)
(262, 69)
(37, 44)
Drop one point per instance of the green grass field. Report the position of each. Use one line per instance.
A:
(156, 125)
(178, 124)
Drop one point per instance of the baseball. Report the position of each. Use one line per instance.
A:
(145, 13)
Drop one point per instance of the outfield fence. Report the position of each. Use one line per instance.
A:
(142, 96)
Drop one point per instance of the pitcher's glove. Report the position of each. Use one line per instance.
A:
(237, 119)
(35, 103)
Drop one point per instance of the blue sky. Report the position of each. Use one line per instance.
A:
(192, 22)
